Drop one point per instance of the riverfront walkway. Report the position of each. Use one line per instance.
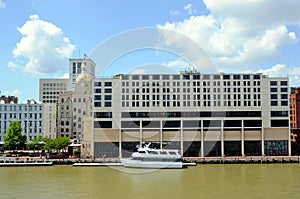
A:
(42, 161)
(244, 159)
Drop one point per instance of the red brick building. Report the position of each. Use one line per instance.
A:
(295, 120)
(9, 99)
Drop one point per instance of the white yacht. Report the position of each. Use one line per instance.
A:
(154, 159)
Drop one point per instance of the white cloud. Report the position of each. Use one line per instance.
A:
(281, 70)
(138, 71)
(12, 65)
(16, 93)
(241, 33)
(44, 45)
(2, 4)
(65, 76)
(189, 8)
(174, 12)
(179, 63)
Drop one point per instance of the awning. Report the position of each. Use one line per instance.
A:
(75, 144)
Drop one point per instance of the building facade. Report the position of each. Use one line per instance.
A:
(199, 114)
(76, 67)
(73, 107)
(49, 89)
(295, 120)
(31, 116)
(8, 99)
(49, 114)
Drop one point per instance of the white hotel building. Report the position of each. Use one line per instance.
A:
(199, 114)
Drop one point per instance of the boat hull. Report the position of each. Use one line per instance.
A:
(151, 164)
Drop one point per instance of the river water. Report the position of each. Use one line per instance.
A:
(201, 181)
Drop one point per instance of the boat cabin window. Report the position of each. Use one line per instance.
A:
(163, 152)
(172, 153)
(152, 152)
(142, 151)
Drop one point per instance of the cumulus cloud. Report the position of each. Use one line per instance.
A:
(282, 70)
(44, 46)
(2, 4)
(244, 33)
(189, 8)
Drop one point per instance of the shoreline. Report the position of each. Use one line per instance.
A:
(28, 161)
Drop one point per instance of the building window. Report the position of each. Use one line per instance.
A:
(256, 76)
(97, 83)
(155, 77)
(109, 90)
(284, 96)
(236, 76)
(135, 77)
(274, 103)
(97, 97)
(283, 83)
(186, 77)
(273, 90)
(107, 104)
(273, 96)
(246, 76)
(108, 84)
(196, 76)
(97, 104)
(108, 97)
(273, 83)
(97, 90)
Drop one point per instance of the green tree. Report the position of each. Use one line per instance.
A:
(61, 143)
(57, 144)
(37, 143)
(13, 138)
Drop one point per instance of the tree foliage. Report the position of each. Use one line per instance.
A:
(37, 143)
(13, 138)
(57, 144)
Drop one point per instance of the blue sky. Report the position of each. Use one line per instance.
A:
(38, 36)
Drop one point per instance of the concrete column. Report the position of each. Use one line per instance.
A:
(262, 141)
(141, 133)
(93, 139)
(243, 140)
(202, 140)
(289, 142)
(160, 135)
(181, 137)
(120, 143)
(222, 138)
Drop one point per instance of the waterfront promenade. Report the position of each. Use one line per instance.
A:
(42, 161)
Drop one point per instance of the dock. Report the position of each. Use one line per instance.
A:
(6, 162)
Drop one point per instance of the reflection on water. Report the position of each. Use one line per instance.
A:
(202, 181)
